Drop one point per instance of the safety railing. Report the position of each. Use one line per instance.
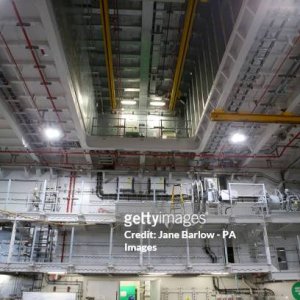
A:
(135, 126)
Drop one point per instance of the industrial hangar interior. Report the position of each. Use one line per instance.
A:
(149, 150)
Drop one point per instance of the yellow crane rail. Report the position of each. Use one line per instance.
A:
(183, 47)
(285, 118)
(104, 11)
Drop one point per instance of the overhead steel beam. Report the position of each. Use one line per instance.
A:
(271, 129)
(70, 94)
(183, 47)
(22, 44)
(147, 21)
(222, 116)
(239, 43)
(15, 126)
(104, 12)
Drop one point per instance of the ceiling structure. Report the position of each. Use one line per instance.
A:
(241, 56)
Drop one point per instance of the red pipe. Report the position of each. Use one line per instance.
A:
(289, 143)
(276, 73)
(20, 74)
(72, 167)
(73, 192)
(30, 47)
(69, 192)
(189, 155)
(128, 154)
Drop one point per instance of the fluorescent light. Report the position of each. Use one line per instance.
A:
(238, 138)
(131, 90)
(57, 273)
(156, 274)
(157, 103)
(219, 273)
(155, 98)
(52, 133)
(128, 102)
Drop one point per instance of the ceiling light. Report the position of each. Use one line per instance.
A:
(131, 90)
(128, 102)
(157, 103)
(238, 138)
(25, 144)
(52, 133)
(155, 98)
(155, 274)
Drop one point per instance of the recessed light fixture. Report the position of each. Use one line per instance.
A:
(157, 103)
(155, 274)
(128, 102)
(238, 138)
(52, 133)
(156, 98)
(219, 273)
(131, 89)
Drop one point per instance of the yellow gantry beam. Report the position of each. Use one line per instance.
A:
(219, 115)
(104, 10)
(183, 47)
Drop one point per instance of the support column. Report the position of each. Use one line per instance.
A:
(12, 242)
(71, 245)
(149, 253)
(225, 250)
(118, 191)
(267, 246)
(43, 196)
(33, 243)
(81, 197)
(141, 244)
(188, 261)
(298, 247)
(111, 235)
(7, 194)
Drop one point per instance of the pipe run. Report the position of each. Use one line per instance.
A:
(71, 191)
(12, 58)
(243, 291)
(183, 47)
(36, 61)
(188, 155)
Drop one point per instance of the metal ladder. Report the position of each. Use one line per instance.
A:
(177, 204)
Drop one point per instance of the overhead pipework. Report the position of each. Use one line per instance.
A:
(104, 11)
(183, 47)
(285, 118)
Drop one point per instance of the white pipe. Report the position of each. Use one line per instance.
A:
(12, 242)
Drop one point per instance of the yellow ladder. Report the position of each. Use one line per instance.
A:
(173, 198)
